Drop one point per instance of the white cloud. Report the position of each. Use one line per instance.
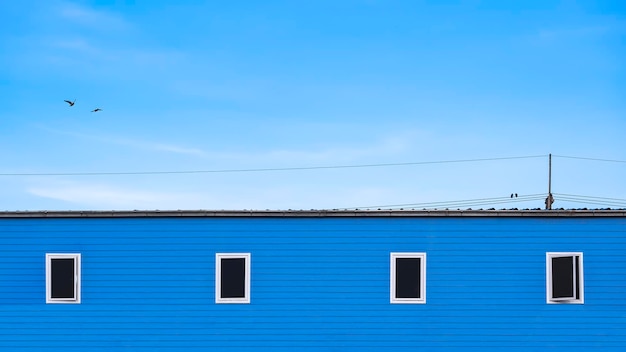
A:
(92, 18)
(78, 44)
(380, 148)
(74, 50)
(103, 196)
(581, 32)
(80, 50)
(134, 143)
(398, 144)
(99, 42)
(151, 146)
(175, 149)
(107, 196)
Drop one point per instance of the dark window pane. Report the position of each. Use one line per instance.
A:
(577, 277)
(233, 278)
(563, 277)
(63, 278)
(408, 275)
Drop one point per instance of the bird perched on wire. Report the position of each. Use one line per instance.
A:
(70, 102)
(96, 110)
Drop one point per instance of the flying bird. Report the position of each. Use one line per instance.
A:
(70, 102)
(96, 110)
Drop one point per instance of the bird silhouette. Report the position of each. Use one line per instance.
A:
(515, 195)
(96, 110)
(70, 102)
(511, 195)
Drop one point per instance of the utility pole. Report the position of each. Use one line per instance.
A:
(550, 198)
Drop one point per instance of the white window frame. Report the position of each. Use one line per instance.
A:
(581, 278)
(392, 278)
(218, 277)
(77, 281)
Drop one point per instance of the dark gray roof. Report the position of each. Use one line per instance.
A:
(317, 213)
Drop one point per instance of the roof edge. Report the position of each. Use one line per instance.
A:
(310, 213)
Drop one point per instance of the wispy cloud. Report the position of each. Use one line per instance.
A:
(100, 42)
(167, 148)
(108, 196)
(385, 147)
(392, 145)
(103, 196)
(150, 146)
(97, 19)
(129, 142)
(581, 32)
(76, 45)
(79, 48)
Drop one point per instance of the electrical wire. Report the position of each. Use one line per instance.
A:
(270, 169)
(605, 201)
(456, 203)
(591, 159)
(298, 168)
(590, 200)
(425, 205)
(590, 197)
(572, 200)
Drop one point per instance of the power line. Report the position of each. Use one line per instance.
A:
(499, 200)
(591, 200)
(590, 197)
(320, 167)
(592, 159)
(585, 201)
(269, 169)
(457, 203)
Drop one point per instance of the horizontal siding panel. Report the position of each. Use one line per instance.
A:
(423, 328)
(148, 284)
(332, 239)
(603, 309)
(383, 322)
(211, 246)
(413, 335)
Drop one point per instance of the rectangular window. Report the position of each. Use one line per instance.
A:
(564, 277)
(62, 278)
(408, 278)
(232, 278)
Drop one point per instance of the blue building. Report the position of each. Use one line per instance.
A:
(528, 280)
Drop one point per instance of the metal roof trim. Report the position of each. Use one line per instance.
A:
(311, 213)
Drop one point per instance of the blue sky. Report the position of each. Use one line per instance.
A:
(248, 85)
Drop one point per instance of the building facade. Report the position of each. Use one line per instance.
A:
(528, 280)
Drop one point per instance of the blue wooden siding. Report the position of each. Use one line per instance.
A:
(317, 284)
